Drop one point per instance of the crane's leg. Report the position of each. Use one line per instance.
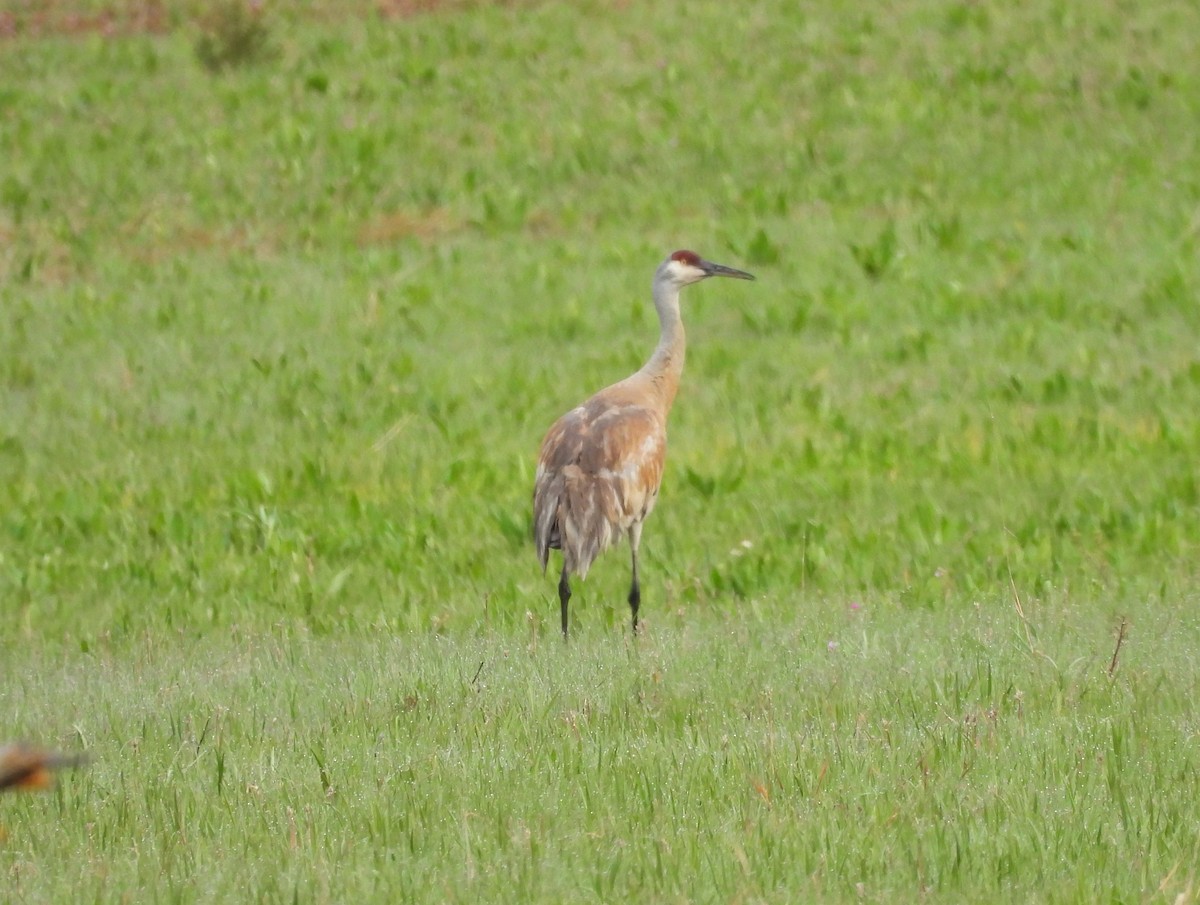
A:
(635, 591)
(564, 594)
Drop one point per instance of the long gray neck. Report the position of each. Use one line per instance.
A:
(666, 364)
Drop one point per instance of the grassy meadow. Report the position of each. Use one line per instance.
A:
(278, 343)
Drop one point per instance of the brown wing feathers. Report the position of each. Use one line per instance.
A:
(598, 473)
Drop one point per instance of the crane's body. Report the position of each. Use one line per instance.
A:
(601, 464)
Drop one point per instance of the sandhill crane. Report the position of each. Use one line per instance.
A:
(601, 464)
(24, 766)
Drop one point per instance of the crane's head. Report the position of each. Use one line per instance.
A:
(686, 267)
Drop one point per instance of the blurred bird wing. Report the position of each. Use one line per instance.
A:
(23, 766)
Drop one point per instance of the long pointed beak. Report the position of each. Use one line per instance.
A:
(720, 270)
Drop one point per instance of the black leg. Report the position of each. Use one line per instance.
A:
(564, 594)
(635, 592)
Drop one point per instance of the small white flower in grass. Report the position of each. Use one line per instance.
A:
(832, 646)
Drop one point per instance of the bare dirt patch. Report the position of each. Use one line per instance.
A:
(48, 17)
(42, 18)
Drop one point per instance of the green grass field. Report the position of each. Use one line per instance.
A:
(278, 345)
